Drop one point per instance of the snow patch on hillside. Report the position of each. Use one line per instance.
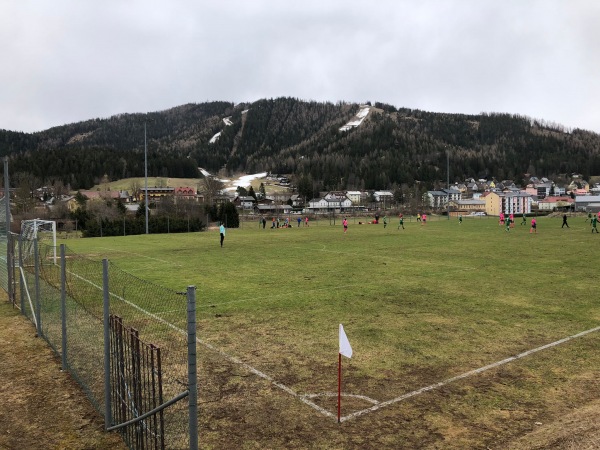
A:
(357, 119)
(233, 184)
(227, 121)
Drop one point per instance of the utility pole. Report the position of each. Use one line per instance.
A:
(448, 181)
(146, 175)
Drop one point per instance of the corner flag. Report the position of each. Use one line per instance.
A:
(345, 348)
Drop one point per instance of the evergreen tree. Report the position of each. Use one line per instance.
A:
(228, 214)
(251, 192)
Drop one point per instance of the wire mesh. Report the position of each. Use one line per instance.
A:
(158, 315)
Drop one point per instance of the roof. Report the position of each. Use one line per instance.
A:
(512, 194)
(185, 191)
(587, 199)
(469, 202)
(272, 207)
(554, 199)
(100, 194)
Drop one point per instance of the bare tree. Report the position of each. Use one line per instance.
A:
(210, 187)
(102, 210)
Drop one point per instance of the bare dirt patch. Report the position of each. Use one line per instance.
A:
(42, 407)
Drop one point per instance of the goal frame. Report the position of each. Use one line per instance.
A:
(37, 223)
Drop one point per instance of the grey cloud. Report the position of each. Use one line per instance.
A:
(71, 61)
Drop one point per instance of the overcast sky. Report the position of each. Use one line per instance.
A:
(65, 61)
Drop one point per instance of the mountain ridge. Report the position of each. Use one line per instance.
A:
(388, 147)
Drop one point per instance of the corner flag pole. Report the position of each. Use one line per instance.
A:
(346, 350)
(339, 386)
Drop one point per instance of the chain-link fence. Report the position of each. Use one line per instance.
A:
(68, 299)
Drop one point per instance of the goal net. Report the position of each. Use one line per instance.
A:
(37, 229)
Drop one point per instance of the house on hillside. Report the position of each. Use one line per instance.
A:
(297, 201)
(356, 197)
(335, 195)
(107, 195)
(462, 187)
(383, 197)
(579, 186)
(184, 193)
(155, 193)
(244, 202)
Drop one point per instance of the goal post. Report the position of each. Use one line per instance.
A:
(35, 229)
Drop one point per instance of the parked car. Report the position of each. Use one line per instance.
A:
(478, 213)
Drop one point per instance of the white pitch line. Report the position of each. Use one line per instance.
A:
(304, 398)
(464, 375)
(225, 355)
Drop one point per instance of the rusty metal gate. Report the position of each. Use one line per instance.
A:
(136, 386)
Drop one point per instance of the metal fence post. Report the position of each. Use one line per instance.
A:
(10, 253)
(22, 282)
(63, 305)
(38, 306)
(106, 309)
(192, 373)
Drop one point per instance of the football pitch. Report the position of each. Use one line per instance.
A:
(464, 335)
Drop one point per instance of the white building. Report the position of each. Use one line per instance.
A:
(439, 199)
(356, 197)
(331, 205)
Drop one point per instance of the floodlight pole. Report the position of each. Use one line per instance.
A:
(9, 254)
(448, 182)
(146, 176)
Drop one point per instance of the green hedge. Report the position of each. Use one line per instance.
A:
(130, 226)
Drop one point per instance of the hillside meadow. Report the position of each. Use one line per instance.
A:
(423, 307)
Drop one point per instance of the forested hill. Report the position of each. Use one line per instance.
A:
(390, 147)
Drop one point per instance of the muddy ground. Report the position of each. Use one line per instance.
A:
(41, 407)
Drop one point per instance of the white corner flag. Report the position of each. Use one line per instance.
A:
(345, 348)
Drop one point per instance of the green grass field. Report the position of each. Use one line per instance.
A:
(419, 306)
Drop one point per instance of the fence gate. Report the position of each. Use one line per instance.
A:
(136, 386)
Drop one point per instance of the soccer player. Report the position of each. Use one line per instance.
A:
(401, 224)
(345, 223)
(533, 228)
(222, 233)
